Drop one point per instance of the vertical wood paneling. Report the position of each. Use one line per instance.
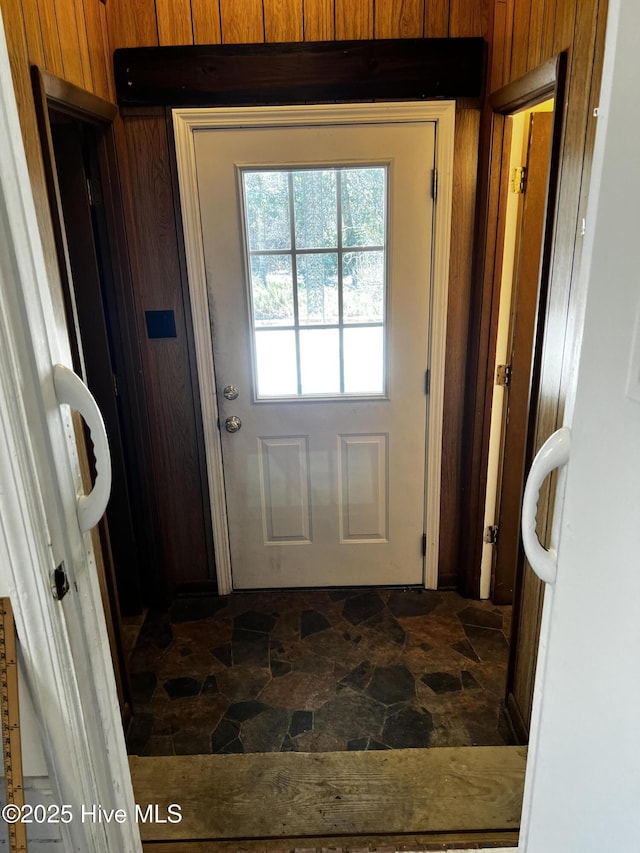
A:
(83, 42)
(69, 42)
(283, 20)
(519, 48)
(460, 266)
(33, 32)
(354, 19)
(399, 19)
(206, 21)
(319, 20)
(242, 22)
(536, 18)
(498, 46)
(468, 18)
(174, 22)
(548, 23)
(107, 49)
(436, 19)
(143, 152)
(98, 56)
(565, 19)
(132, 24)
(50, 37)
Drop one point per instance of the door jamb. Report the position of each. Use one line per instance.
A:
(186, 123)
(546, 81)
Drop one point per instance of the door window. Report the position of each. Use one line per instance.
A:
(316, 249)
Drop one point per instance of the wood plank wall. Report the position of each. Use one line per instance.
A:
(160, 22)
(577, 26)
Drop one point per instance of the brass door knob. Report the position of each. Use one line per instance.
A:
(232, 424)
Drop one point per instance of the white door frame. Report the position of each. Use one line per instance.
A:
(189, 121)
(64, 644)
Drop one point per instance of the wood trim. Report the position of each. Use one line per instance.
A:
(186, 121)
(69, 98)
(537, 85)
(51, 91)
(509, 99)
(298, 72)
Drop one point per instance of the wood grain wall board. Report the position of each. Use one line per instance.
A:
(496, 74)
(468, 18)
(436, 18)
(319, 20)
(132, 24)
(548, 23)
(67, 16)
(399, 19)
(18, 57)
(305, 794)
(460, 269)
(83, 40)
(50, 37)
(151, 226)
(354, 19)
(536, 25)
(107, 50)
(283, 20)
(241, 23)
(520, 42)
(564, 24)
(174, 21)
(205, 16)
(300, 72)
(95, 45)
(35, 47)
(566, 232)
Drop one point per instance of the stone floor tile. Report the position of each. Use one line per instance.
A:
(182, 688)
(196, 608)
(223, 735)
(488, 643)
(253, 620)
(350, 715)
(442, 682)
(249, 648)
(483, 618)
(143, 685)
(408, 603)
(362, 607)
(159, 745)
(301, 721)
(391, 684)
(299, 690)
(312, 622)
(246, 710)
(408, 729)
(266, 731)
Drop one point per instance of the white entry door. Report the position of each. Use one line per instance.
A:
(317, 244)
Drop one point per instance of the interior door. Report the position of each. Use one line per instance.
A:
(317, 246)
(520, 358)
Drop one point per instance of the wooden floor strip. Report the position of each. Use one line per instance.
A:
(494, 841)
(296, 795)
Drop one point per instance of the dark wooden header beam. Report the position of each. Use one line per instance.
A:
(296, 72)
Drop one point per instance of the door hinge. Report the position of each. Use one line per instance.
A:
(59, 582)
(503, 375)
(434, 184)
(490, 535)
(427, 382)
(94, 191)
(424, 544)
(519, 181)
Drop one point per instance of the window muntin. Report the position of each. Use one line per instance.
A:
(316, 246)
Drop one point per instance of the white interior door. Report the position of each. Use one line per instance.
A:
(317, 244)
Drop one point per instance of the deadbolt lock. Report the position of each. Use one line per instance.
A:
(232, 424)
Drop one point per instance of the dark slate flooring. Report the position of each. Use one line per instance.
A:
(319, 671)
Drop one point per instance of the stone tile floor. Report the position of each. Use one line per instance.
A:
(319, 671)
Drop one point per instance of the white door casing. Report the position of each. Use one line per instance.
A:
(189, 126)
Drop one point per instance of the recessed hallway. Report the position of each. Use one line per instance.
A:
(320, 671)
